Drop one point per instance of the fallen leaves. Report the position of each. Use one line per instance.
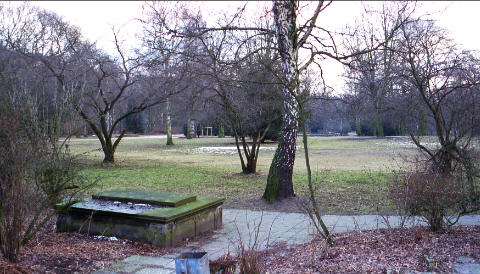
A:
(53, 252)
(378, 250)
(365, 251)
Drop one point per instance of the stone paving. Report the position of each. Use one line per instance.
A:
(467, 265)
(269, 228)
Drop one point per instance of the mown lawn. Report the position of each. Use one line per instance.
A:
(351, 173)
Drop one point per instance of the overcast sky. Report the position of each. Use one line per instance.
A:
(96, 18)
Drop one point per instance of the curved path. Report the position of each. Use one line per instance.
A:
(261, 229)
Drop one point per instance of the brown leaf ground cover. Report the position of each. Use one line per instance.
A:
(52, 252)
(379, 250)
(355, 252)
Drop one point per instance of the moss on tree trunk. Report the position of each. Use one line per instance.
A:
(221, 131)
(270, 194)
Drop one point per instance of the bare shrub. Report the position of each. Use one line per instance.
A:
(438, 198)
(248, 259)
(36, 173)
(226, 264)
(13, 189)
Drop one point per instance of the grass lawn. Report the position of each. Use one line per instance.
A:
(351, 173)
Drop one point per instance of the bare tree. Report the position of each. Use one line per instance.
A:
(250, 105)
(373, 78)
(37, 172)
(320, 44)
(244, 85)
(101, 84)
(112, 83)
(291, 37)
(289, 41)
(447, 82)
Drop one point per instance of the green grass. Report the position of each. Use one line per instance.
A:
(348, 192)
(351, 174)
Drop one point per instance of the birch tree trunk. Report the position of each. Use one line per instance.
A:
(279, 181)
(191, 129)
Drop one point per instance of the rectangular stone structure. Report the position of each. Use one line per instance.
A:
(153, 198)
(178, 218)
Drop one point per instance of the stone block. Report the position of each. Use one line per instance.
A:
(164, 226)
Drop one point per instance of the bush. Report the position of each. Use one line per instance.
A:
(366, 130)
(226, 264)
(438, 198)
(221, 131)
(275, 131)
(388, 128)
(13, 190)
(35, 174)
(249, 262)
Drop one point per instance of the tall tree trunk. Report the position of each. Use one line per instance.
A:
(239, 150)
(193, 132)
(251, 166)
(279, 180)
(378, 124)
(252, 153)
(109, 154)
(189, 132)
(401, 126)
(169, 125)
(107, 145)
(422, 127)
(358, 126)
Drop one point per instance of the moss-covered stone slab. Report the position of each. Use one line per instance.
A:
(153, 198)
(165, 226)
(158, 215)
(169, 214)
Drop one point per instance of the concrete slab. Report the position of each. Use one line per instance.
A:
(466, 268)
(150, 270)
(123, 267)
(465, 260)
(147, 260)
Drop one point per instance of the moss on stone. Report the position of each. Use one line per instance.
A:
(117, 266)
(157, 237)
(171, 213)
(164, 227)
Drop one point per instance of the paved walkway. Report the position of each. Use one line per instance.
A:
(261, 229)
